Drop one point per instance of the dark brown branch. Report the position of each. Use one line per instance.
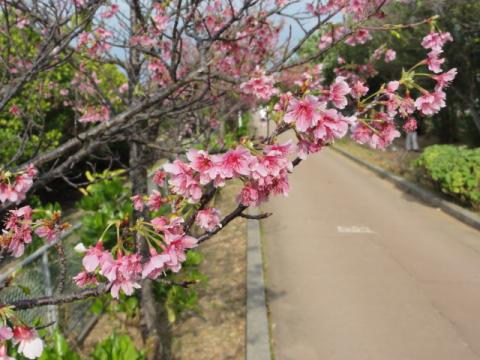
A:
(58, 299)
(256, 217)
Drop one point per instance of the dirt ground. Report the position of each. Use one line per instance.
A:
(217, 330)
(394, 159)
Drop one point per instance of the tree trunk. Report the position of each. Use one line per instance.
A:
(155, 326)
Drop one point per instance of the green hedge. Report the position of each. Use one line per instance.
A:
(454, 169)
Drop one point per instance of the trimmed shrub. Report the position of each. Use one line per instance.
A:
(454, 169)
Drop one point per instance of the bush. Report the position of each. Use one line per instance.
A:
(454, 169)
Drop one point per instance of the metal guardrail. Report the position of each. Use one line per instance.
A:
(36, 276)
(36, 254)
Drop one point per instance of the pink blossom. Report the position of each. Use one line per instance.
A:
(304, 113)
(84, 279)
(14, 110)
(124, 275)
(434, 62)
(305, 148)
(183, 181)
(360, 36)
(201, 161)
(331, 126)
(379, 134)
(410, 125)
(159, 223)
(338, 91)
(392, 86)
(159, 177)
(123, 88)
(93, 257)
(155, 265)
(29, 344)
(5, 333)
(359, 89)
(49, 233)
(155, 201)
(19, 231)
(249, 196)
(4, 353)
(107, 14)
(208, 218)
(390, 55)
(444, 80)
(95, 114)
(260, 86)
(235, 163)
(436, 40)
(431, 103)
(138, 203)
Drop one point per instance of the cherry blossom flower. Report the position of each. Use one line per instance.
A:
(110, 12)
(159, 177)
(48, 233)
(434, 62)
(155, 201)
(431, 103)
(14, 110)
(249, 196)
(436, 40)
(201, 161)
(123, 88)
(19, 226)
(155, 265)
(378, 134)
(235, 163)
(444, 80)
(208, 219)
(260, 86)
(124, 275)
(390, 55)
(183, 181)
(338, 91)
(305, 113)
(177, 245)
(13, 187)
(138, 203)
(5, 333)
(93, 257)
(29, 344)
(331, 126)
(95, 114)
(159, 223)
(4, 353)
(305, 148)
(359, 89)
(84, 278)
(360, 36)
(410, 125)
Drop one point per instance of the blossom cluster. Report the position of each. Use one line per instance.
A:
(30, 345)
(14, 186)
(19, 228)
(124, 271)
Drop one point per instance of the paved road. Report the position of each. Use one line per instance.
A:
(358, 270)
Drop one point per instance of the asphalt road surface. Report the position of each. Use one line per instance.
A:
(356, 269)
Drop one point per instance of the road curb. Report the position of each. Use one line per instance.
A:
(464, 215)
(258, 344)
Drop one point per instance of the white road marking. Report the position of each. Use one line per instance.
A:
(361, 229)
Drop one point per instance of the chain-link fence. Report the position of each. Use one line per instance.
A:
(39, 275)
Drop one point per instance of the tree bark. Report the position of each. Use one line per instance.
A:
(155, 327)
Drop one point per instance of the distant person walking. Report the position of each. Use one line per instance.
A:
(411, 140)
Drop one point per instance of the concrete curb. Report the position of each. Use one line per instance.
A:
(258, 343)
(464, 215)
